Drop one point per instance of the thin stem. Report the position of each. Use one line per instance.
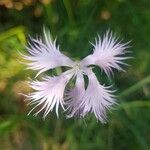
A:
(135, 87)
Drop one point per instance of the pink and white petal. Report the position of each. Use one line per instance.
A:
(74, 98)
(97, 98)
(44, 55)
(49, 93)
(108, 53)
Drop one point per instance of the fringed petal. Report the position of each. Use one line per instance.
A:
(97, 98)
(108, 53)
(44, 55)
(49, 93)
(74, 98)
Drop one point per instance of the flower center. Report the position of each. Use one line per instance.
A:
(77, 66)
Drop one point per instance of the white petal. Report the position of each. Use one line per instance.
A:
(97, 98)
(49, 92)
(44, 55)
(74, 98)
(108, 53)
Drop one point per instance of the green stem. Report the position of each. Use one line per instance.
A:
(134, 104)
(135, 87)
(69, 11)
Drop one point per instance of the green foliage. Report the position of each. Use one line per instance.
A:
(75, 23)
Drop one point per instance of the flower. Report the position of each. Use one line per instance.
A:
(79, 100)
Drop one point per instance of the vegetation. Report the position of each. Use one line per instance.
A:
(75, 23)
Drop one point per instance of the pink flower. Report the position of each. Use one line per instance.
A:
(52, 92)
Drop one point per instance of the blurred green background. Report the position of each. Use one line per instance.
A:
(75, 23)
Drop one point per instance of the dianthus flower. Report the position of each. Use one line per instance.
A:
(79, 100)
